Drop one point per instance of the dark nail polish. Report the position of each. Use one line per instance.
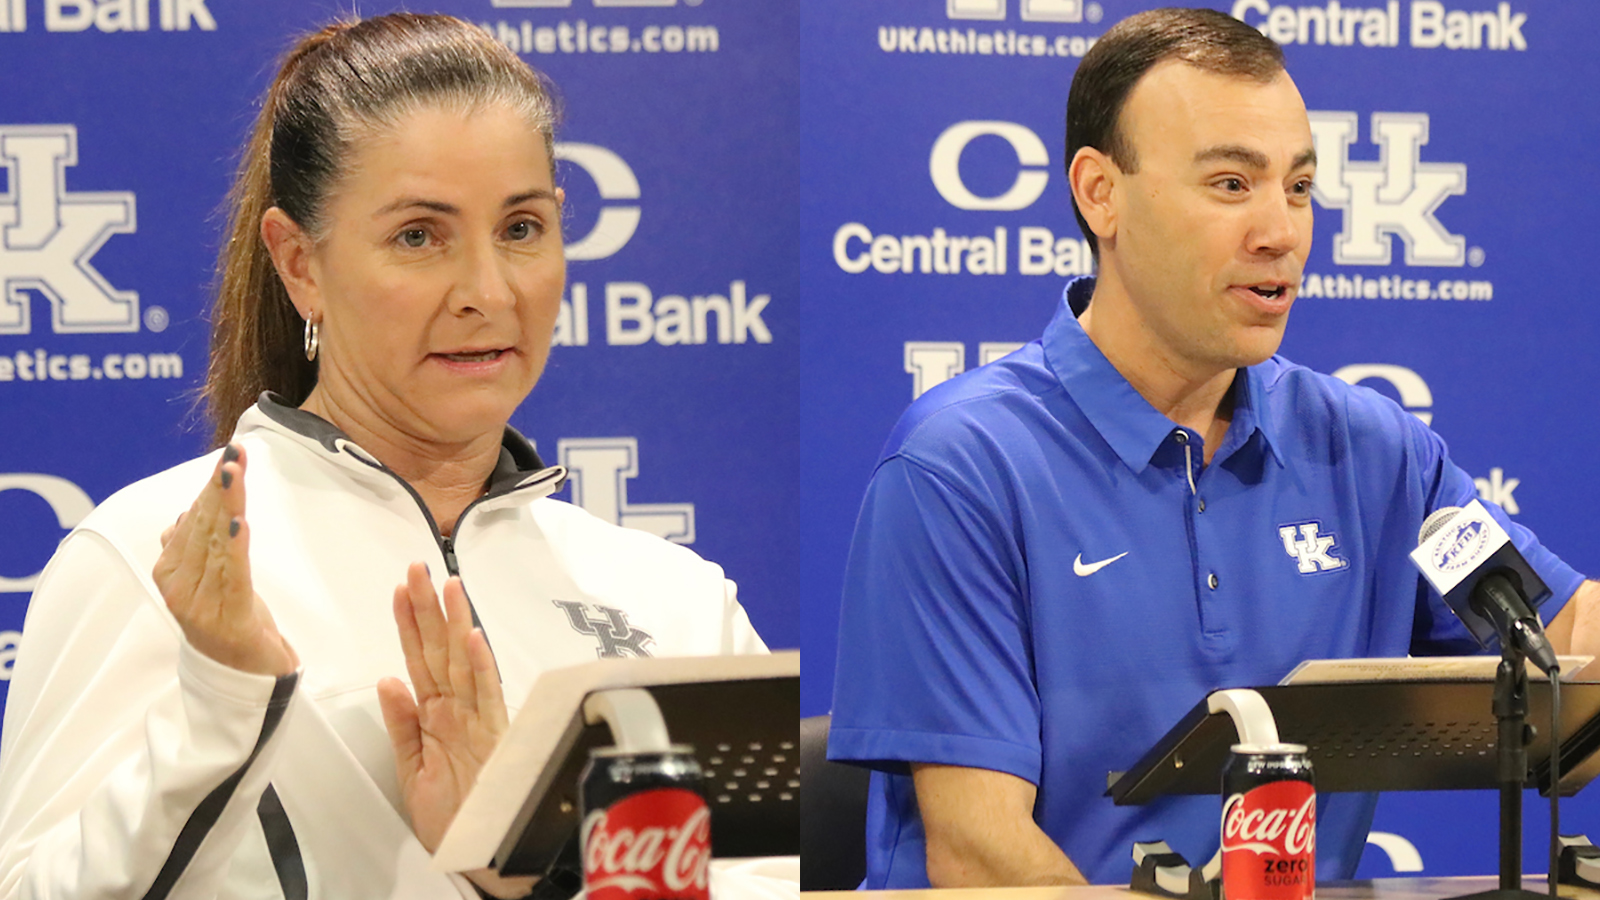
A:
(427, 568)
(230, 453)
(233, 528)
(227, 479)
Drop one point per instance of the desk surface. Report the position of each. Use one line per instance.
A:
(1384, 889)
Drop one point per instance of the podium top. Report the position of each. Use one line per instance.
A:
(548, 731)
(1377, 736)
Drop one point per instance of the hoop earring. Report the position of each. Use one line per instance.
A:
(311, 340)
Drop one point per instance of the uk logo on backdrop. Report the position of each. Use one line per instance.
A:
(49, 236)
(562, 4)
(1031, 10)
(599, 471)
(1395, 197)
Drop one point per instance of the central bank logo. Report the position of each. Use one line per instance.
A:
(614, 179)
(109, 15)
(68, 501)
(1414, 393)
(49, 236)
(1417, 398)
(944, 165)
(1395, 196)
(1032, 10)
(599, 470)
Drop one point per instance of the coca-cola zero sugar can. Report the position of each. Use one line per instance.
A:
(1269, 824)
(646, 832)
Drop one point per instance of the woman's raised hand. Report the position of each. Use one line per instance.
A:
(204, 575)
(443, 736)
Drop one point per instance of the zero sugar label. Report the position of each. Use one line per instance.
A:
(1269, 842)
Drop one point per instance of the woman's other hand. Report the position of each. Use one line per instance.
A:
(203, 573)
(443, 735)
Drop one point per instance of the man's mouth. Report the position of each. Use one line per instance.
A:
(1269, 291)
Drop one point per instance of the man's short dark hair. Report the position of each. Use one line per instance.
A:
(1203, 38)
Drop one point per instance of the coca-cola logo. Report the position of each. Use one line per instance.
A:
(655, 842)
(1257, 823)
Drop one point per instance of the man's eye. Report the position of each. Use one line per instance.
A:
(414, 238)
(1302, 186)
(1232, 185)
(520, 231)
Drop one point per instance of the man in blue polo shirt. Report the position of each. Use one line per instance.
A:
(1061, 552)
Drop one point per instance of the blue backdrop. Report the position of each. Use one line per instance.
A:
(865, 199)
(1453, 144)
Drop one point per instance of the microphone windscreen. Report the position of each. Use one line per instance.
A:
(1436, 521)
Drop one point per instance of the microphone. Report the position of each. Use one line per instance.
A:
(1470, 560)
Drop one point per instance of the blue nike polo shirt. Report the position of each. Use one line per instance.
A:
(1045, 577)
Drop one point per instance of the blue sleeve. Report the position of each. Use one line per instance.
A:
(1437, 630)
(935, 663)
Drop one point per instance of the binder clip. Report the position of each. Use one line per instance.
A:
(1159, 870)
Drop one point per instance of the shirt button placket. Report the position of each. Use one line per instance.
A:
(1214, 615)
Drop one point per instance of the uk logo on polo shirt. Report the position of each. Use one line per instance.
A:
(1311, 547)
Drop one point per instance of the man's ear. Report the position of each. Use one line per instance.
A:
(291, 251)
(1094, 179)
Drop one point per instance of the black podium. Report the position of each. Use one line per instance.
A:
(1377, 736)
(740, 713)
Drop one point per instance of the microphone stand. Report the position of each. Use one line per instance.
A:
(1511, 712)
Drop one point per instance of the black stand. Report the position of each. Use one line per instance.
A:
(1511, 715)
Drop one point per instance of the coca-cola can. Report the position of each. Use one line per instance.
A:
(1269, 824)
(646, 832)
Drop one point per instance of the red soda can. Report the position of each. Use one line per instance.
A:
(1269, 824)
(646, 832)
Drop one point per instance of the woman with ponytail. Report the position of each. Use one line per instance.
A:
(259, 673)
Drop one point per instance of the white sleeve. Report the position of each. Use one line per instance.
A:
(131, 764)
(738, 635)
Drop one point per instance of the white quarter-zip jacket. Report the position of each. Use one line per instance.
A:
(133, 766)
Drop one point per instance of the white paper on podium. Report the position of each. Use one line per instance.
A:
(492, 806)
(1419, 668)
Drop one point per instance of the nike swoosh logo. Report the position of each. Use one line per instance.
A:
(1080, 569)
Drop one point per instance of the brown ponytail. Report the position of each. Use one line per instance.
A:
(335, 87)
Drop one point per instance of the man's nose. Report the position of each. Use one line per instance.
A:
(1275, 227)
